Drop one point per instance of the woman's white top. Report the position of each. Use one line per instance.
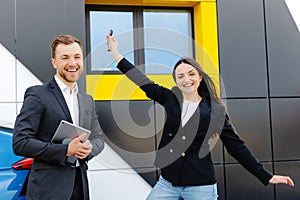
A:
(188, 109)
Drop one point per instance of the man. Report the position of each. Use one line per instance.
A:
(59, 170)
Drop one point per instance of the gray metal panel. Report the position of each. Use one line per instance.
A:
(240, 184)
(217, 153)
(37, 22)
(159, 122)
(283, 50)
(148, 174)
(286, 129)
(242, 48)
(129, 130)
(291, 169)
(251, 120)
(7, 25)
(75, 21)
(219, 170)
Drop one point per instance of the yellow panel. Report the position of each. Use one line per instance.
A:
(189, 3)
(207, 39)
(119, 87)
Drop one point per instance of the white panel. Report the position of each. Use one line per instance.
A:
(7, 76)
(6, 124)
(8, 112)
(294, 7)
(108, 159)
(115, 184)
(25, 79)
(19, 106)
(110, 177)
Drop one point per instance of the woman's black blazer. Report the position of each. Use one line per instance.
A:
(184, 151)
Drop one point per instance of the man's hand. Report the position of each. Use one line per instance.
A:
(79, 149)
(85, 150)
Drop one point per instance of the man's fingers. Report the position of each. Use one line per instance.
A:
(82, 153)
(82, 137)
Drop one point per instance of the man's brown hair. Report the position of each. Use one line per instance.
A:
(63, 39)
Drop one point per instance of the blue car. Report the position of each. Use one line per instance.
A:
(13, 169)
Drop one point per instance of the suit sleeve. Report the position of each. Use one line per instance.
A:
(26, 139)
(237, 148)
(96, 138)
(152, 90)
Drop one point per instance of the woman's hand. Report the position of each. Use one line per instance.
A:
(276, 179)
(114, 48)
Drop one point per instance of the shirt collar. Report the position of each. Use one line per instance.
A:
(64, 88)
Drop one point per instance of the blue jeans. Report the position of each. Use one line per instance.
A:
(163, 189)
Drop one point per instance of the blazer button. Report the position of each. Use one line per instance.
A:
(183, 137)
(182, 154)
(171, 150)
(170, 134)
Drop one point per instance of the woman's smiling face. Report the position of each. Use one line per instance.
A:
(187, 79)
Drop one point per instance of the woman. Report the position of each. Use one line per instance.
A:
(195, 116)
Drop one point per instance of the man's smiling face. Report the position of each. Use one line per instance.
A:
(68, 63)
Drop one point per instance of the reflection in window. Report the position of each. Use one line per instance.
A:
(100, 24)
(168, 37)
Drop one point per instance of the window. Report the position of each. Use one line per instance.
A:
(154, 38)
(167, 38)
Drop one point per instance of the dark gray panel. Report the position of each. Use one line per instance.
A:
(250, 118)
(7, 25)
(286, 129)
(217, 153)
(129, 130)
(284, 192)
(149, 174)
(75, 21)
(283, 50)
(240, 184)
(159, 121)
(37, 23)
(219, 170)
(242, 48)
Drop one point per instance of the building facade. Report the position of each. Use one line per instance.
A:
(250, 48)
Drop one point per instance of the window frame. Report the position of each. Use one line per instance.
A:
(139, 56)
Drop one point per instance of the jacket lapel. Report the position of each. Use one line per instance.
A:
(82, 109)
(201, 112)
(60, 98)
(204, 107)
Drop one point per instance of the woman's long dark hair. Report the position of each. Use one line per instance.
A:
(207, 87)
